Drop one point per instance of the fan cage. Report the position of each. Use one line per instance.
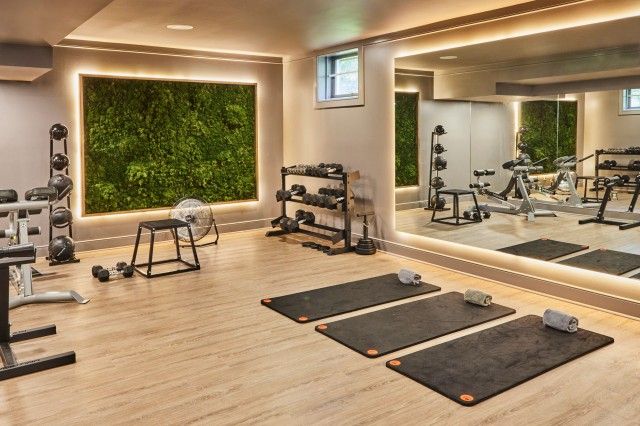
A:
(195, 212)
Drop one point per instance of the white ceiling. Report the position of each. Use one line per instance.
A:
(40, 22)
(588, 40)
(268, 27)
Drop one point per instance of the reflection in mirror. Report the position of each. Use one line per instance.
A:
(519, 151)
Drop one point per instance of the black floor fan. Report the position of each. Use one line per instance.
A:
(197, 213)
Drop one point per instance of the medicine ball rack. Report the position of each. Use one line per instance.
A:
(436, 164)
(52, 141)
(347, 208)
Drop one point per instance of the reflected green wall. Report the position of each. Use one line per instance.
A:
(552, 129)
(406, 113)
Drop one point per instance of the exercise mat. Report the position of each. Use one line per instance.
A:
(479, 366)
(543, 249)
(342, 298)
(603, 260)
(377, 333)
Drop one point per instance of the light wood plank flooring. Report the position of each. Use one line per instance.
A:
(199, 348)
(503, 230)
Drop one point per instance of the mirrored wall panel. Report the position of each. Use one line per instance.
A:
(531, 153)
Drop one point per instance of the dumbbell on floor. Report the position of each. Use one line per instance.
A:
(103, 274)
(282, 194)
(293, 225)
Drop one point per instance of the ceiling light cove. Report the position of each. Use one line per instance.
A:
(448, 57)
(180, 27)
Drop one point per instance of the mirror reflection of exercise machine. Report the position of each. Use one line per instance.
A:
(17, 255)
(565, 178)
(609, 184)
(520, 181)
(18, 232)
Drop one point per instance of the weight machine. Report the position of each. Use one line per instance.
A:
(609, 184)
(521, 181)
(565, 166)
(18, 232)
(21, 255)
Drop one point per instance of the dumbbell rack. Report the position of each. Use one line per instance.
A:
(52, 142)
(338, 234)
(599, 152)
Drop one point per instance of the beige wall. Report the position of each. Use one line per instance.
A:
(604, 127)
(27, 110)
(362, 138)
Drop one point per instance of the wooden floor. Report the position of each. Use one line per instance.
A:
(199, 348)
(503, 230)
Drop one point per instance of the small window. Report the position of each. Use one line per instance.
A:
(339, 79)
(630, 101)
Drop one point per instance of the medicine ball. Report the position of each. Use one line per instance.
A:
(61, 249)
(437, 182)
(62, 183)
(58, 132)
(61, 217)
(59, 161)
(439, 130)
(438, 148)
(440, 163)
(437, 202)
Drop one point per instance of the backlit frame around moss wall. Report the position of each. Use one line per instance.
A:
(219, 126)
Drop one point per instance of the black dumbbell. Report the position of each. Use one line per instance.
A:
(293, 225)
(331, 198)
(282, 194)
(327, 169)
(103, 274)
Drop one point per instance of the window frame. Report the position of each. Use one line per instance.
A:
(624, 110)
(325, 81)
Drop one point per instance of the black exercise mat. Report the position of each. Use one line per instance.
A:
(543, 249)
(342, 298)
(603, 260)
(377, 333)
(478, 366)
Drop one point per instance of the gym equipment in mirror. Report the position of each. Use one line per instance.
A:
(549, 156)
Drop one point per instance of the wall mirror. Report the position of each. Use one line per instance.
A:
(541, 131)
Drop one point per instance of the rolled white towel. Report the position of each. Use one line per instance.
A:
(409, 277)
(477, 297)
(560, 321)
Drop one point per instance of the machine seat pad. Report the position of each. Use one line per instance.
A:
(41, 194)
(8, 196)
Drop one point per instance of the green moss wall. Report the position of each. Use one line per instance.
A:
(406, 139)
(544, 138)
(148, 143)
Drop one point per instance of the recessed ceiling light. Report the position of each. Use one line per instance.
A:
(448, 57)
(180, 27)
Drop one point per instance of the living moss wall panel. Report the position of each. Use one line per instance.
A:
(148, 143)
(406, 128)
(552, 130)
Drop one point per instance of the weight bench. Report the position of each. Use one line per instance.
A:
(163, 225)
(455, 218)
